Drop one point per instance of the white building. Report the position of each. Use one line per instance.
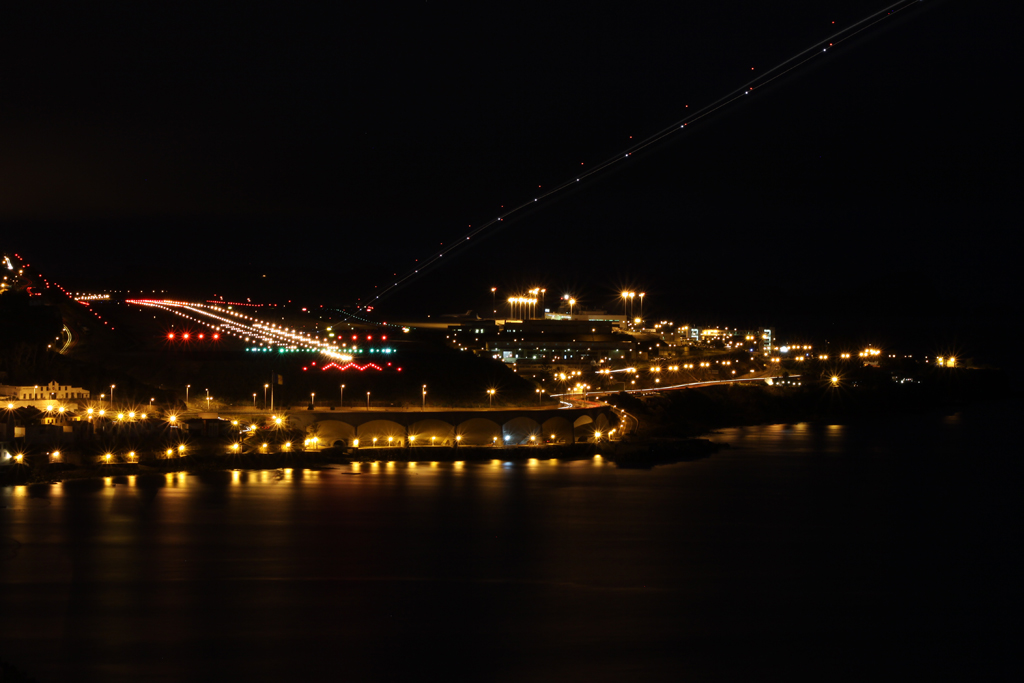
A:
(51, 391)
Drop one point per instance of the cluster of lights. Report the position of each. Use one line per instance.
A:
(187, 336)
(265, 335)
(350, 366)
(521, 305)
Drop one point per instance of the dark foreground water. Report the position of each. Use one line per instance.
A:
(879, 550)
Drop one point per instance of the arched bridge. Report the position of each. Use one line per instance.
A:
(399, 428)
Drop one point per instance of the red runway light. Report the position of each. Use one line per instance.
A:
(170, 335)
(216, 336)
(185, 336)
(200, 335)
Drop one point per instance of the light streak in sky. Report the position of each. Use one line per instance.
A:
(760, 81)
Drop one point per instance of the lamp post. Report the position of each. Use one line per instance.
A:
(542, 293)
(642, 309)
(151, 402)
(490, 396)
(572, 302)
(312, 399)
(186, 395)
(424, 407)
(254, 400)
(341, 399)
(265, 387)
(494, 302)
(112, 396)
(367, 401)
(207, 399)
(540, 394)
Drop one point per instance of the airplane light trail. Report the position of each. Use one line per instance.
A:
(804, 56)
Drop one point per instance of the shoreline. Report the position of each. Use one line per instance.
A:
(632, 454)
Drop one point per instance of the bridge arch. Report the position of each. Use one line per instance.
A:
(431, 432)
(382, 430)
(479, 431)
(518, 431)
(333, 433)
(583, 428)
(557, 430)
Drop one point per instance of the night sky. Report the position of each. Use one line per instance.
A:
(201, 149)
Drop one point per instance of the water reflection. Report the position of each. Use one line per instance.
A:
(572, 567)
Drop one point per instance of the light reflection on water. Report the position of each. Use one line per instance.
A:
(574, 567)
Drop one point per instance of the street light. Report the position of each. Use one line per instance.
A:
(572, 302)
(424, 397)
(254, 400)
(367, 400)
(642, 309)
(186, 395)
(112, 396)
(341, 400)
(540, 393)
(151, 402)
(207, 400)
(265, 387)
(494, 301)
(490, 396)
(312, 399)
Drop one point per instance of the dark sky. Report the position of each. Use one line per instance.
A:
(144, 145)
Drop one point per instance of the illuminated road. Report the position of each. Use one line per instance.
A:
(673, 387)
(69, 342)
